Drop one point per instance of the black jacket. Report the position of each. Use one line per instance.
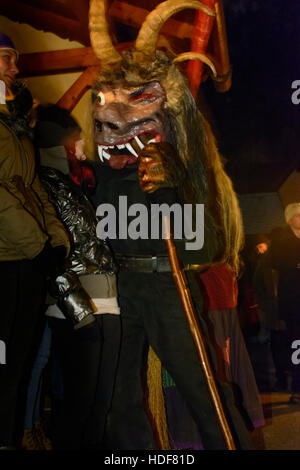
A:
(88, 254)
(111, 184)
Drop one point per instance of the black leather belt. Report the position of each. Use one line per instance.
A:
(144, 264)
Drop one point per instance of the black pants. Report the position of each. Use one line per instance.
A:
(22, 291)
(280, 349)
(151, 312)
(88, 358)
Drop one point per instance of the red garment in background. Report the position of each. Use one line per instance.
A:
(83, 175)
(220, 286)
(220, 290)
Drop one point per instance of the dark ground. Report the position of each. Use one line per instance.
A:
(282, 429)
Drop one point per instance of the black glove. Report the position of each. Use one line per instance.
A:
(59, 252)
(50, 261)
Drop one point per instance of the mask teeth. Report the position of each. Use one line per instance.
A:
(103, 150)
(100, 152)
(131, 150)
(155, 139)
(106, 155)
(139, 142)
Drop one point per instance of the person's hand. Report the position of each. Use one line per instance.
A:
(79, 150)
(59, 257)
(159, 167)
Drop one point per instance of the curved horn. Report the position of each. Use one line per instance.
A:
(147, 37)
(197, 56)
(99, 34)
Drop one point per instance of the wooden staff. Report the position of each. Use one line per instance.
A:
(186, 300)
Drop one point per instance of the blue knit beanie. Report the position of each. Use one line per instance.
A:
(6, 43)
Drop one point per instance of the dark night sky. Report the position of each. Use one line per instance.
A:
(256, 123)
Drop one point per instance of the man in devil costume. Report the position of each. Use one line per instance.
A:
(155, 147)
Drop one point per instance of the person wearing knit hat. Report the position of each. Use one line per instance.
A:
(14, 95)
(6, 43)
(33, 242)
(8, 62)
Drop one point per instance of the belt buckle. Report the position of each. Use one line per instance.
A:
(154, 264)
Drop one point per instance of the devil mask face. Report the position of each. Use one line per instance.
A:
(126, 118)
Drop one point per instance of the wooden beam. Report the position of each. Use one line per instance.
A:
(45, 20)
(80, 9)
(53, 62)
(79, 87)
(59, 7)
(134, 16)
(64, 61)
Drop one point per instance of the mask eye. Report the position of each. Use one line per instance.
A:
(101, 98)
(98, 125)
